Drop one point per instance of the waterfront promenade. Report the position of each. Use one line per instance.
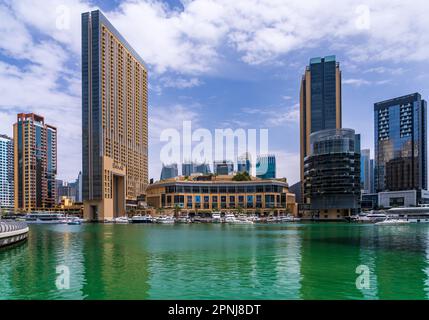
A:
(12, 232)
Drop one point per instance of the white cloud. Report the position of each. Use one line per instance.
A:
(362, 82)
(275, 116)
(287, 165)
(180, 83)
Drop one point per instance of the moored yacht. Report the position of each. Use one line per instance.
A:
(142, 219)
(165, 220)
(216, 217)
(45, 218)
(121, 220)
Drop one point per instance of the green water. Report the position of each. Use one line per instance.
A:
(204, 261)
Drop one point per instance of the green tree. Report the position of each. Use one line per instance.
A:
(177, 210)
(242, 176)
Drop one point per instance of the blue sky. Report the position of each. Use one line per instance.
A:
(221, 64)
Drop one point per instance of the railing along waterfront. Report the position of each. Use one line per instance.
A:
(12, 232)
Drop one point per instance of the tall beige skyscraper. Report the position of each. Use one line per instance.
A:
(114, 120)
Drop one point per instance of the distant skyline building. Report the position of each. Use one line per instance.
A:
(114, 120)
(6, 172)
(188, 168)
(332, 174)
(266, 166)
(365, 171)
(320, 101)
(35, 162)
(244, 163)
(203, 168)
(372, 175)
(224, 167)
(400, 126)
(169, 171)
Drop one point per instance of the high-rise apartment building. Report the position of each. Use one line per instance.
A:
(320, 101)
(266, 166)
(114, 120)
(35, 162)
(401, 144)
(6, 172)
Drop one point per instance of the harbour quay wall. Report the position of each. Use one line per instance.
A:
(12, 232)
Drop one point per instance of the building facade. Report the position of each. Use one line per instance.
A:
(169, 171)
(6, 172)
(244, 163)
(266, 166)
(202, 168)
(35, 162)
(224, 167)
(114, 120)
(365, 171)
(332, 174)
(223, 194)
(320, 101)
(188, 168)
(401, 144)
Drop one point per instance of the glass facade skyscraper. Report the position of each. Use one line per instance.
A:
(169, 171)
(114, 120)
(400, 143)
(320, 101)
(35, 162)
(6, 172)
(266, 166)
(365, 171)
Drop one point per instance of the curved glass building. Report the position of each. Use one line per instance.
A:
(332, 174)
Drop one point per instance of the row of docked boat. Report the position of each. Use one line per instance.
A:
(216, 217)
(395, 216)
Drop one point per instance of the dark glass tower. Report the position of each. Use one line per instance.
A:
(400, 143)
(320, 101)
(266, 167)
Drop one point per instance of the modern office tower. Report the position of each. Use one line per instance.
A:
(332, 174)
(65, 189)
(266, 166)
(35, 162)
(188, 168)
(202, 168)
(372, 176)
(224, 167)
(169, 171)
(244, 163)
(320, 101)
(400, 144)
(114, 120)
(6, 172)
(365, 171)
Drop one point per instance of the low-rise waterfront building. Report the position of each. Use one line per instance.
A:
(221, 193)
(332, 174)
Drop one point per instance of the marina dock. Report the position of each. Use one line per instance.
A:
(12, 232)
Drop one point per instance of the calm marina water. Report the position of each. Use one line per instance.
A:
(209, 261)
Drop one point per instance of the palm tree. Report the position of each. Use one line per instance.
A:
(177, 210)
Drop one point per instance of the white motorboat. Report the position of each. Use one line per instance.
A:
(142, 219)
(216, 217)
(230, 218)
(289, 218)
(418, 214)
(121, 220)
(165, 220)
(183, 219)
(390, 222)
